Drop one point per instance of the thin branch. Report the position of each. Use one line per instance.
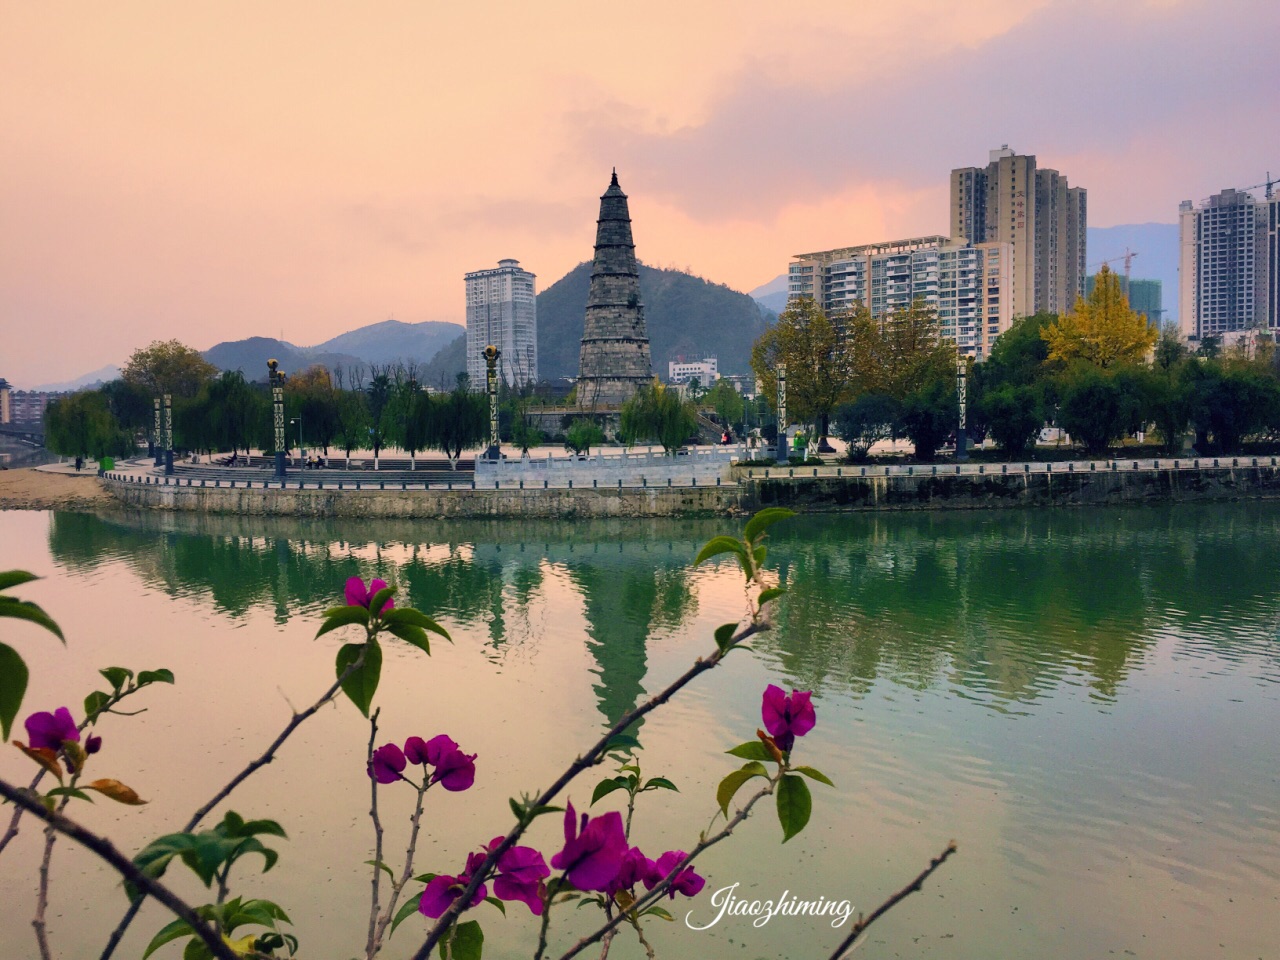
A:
(12, 830)
(377, 841)
(589, 759)
(122, 865)
(268, 755)
(397, 887)
(42, 893)
(912, 887)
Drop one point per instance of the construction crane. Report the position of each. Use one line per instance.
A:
(1128, 264)
(1267, 184)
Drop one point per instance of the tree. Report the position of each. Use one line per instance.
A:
(168, 367)
(726, 401)
(378, 394)
(311, 396)
(353, 421)
(131, 406)
(1014, 416)
(582, 435)
(236, 410)
(1102, 330)
(820, 366)
(458, 422)
(865, 422)
(657, 413)
(1097, 406)
(929, 414)
(80, 425)
(902, 352)
(1229, 404)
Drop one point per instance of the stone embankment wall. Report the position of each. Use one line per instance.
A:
(561, 502)
(826, 492)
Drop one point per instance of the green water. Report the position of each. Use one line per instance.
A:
(1087, 702)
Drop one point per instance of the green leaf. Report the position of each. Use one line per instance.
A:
(606, 787)
(759, 553)
(468, 941)
(545, 809)
(751, 750)
(169, 932)
(718, 545)
(660, 913)
(765, 519)
(155, 676)
(362, 683)
(661, 783)
(724, 636)
(518, 809)
(411, 634)
(813, 774)
(794, 805)
(379, 599)
(69, 792)
(15, 578)
(771, 594)
(734, 781)
(95, 703)
(342, 617)
(254, 828)
(502, 907)
(156, 856)
(265, 913)
(416, 618)
(407, 909)
(116, 676)
(13, 686)
(381, 866)
(22, 610)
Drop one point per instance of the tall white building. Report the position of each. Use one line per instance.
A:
(502, 310)
(1229, 265)
(969, 284)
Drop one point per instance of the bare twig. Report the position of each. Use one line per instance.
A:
(42, 893)
(583, 762)
(377, 840)
(912, 887)
(122, 865)
(397, 886)
(12, 830)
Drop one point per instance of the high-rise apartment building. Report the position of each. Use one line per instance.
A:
(502, 310)
(1229, 265)
(1145, 296)
(1038, 214)
(969, 284)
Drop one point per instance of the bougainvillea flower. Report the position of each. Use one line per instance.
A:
(438, 746)
(455, 770)
(686, 881)
(521, 871)
(48, 730)
(787, 717)
(443, 890)
(92, 744)
(636, 868)
(415, 750)
(358, 595)
(387, 763)
(593, 849)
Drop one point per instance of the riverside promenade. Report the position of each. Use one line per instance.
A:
(613, 485)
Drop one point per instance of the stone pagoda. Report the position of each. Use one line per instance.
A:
(614, 362)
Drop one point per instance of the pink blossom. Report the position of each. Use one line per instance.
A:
(787, 717)
(358, 595)
(593, 850)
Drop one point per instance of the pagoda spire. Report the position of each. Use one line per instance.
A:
(614, 362)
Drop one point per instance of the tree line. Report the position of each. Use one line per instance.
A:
(1100, 372)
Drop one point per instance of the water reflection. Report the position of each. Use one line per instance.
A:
(1001, 607)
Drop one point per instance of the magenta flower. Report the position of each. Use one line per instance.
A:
(49, 730)
(593, 850)
(437, 747)
(636, 868)
(455, 770)
(443, 890)
(92, 744)
(787, 717)
(386, 764)
(415, 750)
(686, 881)
(521, 871)
(360, 596)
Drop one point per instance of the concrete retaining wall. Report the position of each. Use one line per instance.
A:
(705, 465)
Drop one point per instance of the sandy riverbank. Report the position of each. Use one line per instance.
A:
(31, 489)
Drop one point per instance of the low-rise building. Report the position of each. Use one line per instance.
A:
(705, 370)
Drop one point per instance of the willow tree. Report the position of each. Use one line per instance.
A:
(1102, 330)
(657, 412)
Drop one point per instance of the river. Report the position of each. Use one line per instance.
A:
(1086, 701)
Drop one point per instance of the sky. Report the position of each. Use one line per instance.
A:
(216, 170)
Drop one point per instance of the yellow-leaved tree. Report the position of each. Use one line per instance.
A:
(1102, 330)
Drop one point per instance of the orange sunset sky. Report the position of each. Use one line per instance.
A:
(216, 170)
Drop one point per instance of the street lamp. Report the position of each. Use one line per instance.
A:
(962, 394)
(168, 434)
(298, 421)
(277, 379)
(491, 355)
(159, 435)
(782, 413)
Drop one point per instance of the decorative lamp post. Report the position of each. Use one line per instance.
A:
(277, 379)
(782, 413)
(962, 394)
(159, 435)
(491, 355)
(168, 434)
